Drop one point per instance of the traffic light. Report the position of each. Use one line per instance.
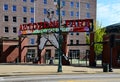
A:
(112, 40)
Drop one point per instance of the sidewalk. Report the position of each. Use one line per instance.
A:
(32, 69)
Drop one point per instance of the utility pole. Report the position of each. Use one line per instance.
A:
(60, 39)
(57, 2)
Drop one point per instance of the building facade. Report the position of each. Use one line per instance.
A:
(111, 49)
(16, 12)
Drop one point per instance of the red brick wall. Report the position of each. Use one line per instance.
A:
(24, 42)
(115, 50)
(9, 52)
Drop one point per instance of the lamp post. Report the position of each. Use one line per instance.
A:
(60, 37)
(79, 9)
(34, 10)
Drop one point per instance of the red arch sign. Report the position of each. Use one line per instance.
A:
(83, 25)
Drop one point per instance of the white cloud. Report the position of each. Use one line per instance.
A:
(108, 13)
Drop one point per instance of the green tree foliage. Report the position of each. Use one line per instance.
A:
(99, 31)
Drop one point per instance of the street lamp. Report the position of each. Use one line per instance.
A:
(34, 9)
(57, 3)
(79, 9)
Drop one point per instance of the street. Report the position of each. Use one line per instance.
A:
(64, 78)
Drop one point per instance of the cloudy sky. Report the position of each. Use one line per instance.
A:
(108, 12)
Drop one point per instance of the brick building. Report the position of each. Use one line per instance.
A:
(111, 54)
(111, 47)
(16, 12)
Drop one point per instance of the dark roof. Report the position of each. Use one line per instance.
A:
(115, 28)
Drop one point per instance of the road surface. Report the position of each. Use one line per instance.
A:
(64, 78)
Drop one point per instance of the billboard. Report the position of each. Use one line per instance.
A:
(83, 25)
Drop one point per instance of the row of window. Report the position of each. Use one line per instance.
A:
(72, 4)
(63, 3)
(77, 33)
(6, 29)
(71, 42)
(72, 33)
(72, 13)
(63, 13)
(6, 18)
(14, 8)
(32, 1)
(32, 41)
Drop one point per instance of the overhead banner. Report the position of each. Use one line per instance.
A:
(83, 25)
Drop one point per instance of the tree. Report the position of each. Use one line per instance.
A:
(99, 31)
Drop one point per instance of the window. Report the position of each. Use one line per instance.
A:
(56, 12)
(24, 19)
(25, 9)
(71, 33)
(77, 41)
(77, 4)
(71, 42)
(30, 55)
(87, 5)
(45, 11)
(74, 54)
(6, 29)
(14, 19)
(77, 14)
(71, 13)
(71, 4)
(63, 3)
(32, 41)
(45, 1)
(87, 33)
(32, 1)
(24, 0)
(63, 13)
(32, 20)
(14, 8)
(14, 30)
(32, 10)
(5, 7)
(77, 33)
(6, 18)
(88, 15)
